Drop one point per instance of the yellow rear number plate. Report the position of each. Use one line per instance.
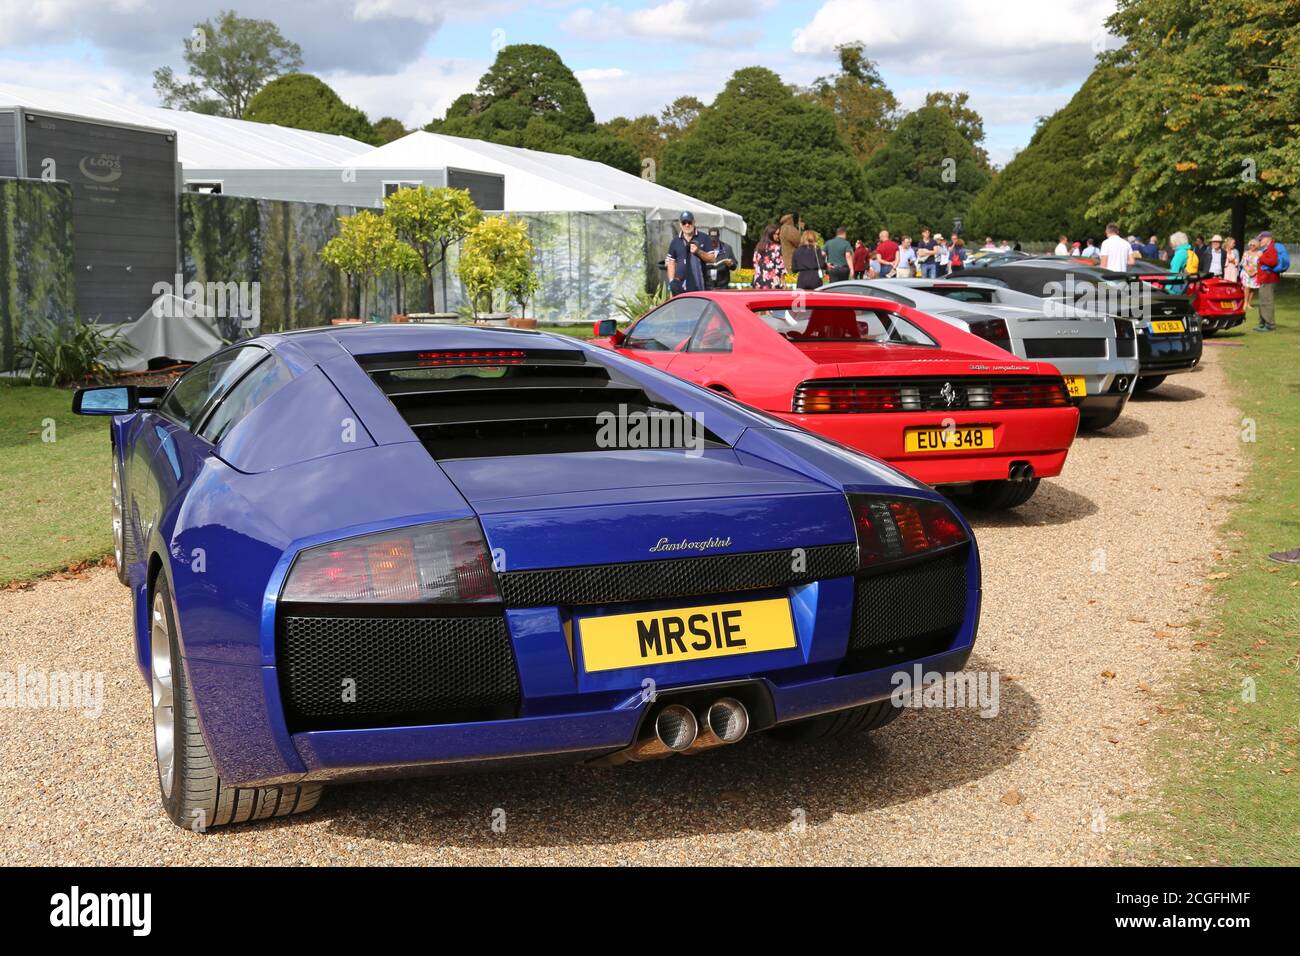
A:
(1077, 386)
(685, 634)
(947, 439)
(1164, 326)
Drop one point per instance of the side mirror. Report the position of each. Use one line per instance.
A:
(106, 400)
(605, 328)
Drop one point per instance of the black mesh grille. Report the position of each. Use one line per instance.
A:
(676, 577)
(1065, 348)
(907, 613)
(405, 669)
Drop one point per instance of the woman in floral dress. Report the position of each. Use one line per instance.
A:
(1250, 269)
(769, 268)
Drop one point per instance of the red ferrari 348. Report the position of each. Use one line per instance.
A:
(935, 402)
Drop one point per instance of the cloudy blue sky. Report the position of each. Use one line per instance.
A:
(1019, 59)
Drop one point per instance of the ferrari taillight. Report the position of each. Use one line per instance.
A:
(1031, 395)
(892, 528)
(445, 562)
(811, 398)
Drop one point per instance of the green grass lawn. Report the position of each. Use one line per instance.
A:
(54, 495)
(1233, 767)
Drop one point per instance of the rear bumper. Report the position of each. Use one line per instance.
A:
(1218, 321)
(1168, 354)
(355, 755)
(1039, 436)
(567, 714)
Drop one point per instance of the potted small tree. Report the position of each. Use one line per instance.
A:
(497, 257)
(431, 221)
(366, 248)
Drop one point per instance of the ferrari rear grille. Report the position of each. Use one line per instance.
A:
(908, 613)
(676, 577)
(932, 394)
(338, 672)
(1065, 348)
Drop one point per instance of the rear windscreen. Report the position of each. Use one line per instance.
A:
(842, 324)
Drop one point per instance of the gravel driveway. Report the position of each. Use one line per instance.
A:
(1088, 589)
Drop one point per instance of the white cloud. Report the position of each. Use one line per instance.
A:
(361, 35)
(420, 92)
(700, 22)
(1027, 41)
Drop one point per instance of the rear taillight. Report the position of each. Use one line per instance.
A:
(992, 330)
(889, 529)
(1036, 395)
(811, 398)
(446, 562)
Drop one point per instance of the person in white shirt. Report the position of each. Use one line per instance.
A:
(1090, 251)
(1116, 254)
(906, 260)
(1062, 247)
(941, 256)
(1217, 259)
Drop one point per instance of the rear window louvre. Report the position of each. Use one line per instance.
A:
(509, 401)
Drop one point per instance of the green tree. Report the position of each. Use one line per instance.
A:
(302, 101)
(430, 221)
(649, 134)
(926, 174)
(497, 256)
(761, 151)
(1044, 191)
(367, 247)
(1211, 112)
(529, 98)
(964, 116)
(865, 109)
(388, 129)
(229, 60)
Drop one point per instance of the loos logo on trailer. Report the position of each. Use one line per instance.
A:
(104, 168)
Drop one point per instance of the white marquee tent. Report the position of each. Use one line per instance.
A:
(536, 181)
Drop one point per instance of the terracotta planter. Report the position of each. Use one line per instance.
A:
(519, 323)
(346, 322)
(400, 318)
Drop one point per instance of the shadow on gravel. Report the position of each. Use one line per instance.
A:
(1051, 504)
(1167, 392)
(758, 784)
(1125, 427)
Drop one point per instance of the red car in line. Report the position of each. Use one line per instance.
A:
(934, 401)
(1221, 304)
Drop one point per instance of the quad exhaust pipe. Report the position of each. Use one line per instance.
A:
(1020, 471)
(676, 729)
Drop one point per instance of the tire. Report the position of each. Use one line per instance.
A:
(855, 720)
(117, 493)
(1001, 495)
(1091, 423)
(192, 792)
(1148, 382)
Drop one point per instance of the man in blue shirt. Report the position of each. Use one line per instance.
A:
(688, 253)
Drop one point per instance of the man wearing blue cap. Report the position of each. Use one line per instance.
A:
(687, 255)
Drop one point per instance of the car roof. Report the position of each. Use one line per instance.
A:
(380, 338)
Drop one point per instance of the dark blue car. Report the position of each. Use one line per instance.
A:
(384, 551)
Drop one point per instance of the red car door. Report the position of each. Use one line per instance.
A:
(707, 358)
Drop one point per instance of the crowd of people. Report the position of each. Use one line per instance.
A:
(696, 262)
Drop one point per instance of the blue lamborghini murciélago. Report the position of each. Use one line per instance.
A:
(383, 551)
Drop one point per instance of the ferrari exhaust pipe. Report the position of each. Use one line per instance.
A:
(674, 731)
(1020, 471)
(726, 721)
